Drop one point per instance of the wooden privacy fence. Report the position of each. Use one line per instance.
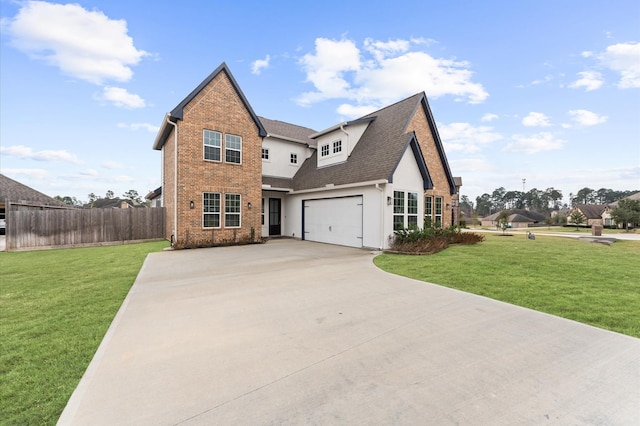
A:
(77, 227)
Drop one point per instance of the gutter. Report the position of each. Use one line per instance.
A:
(382, 209)
(332, 187)
(175, 179)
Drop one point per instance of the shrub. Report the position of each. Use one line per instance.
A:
(431, 240)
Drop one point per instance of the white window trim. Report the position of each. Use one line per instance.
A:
(232, 149)
(268, 159)
(221, 148)
(219, 213)
(291, 158)
(334, 144)
(239, 213)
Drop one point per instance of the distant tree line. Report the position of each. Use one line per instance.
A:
(542, 201)
(131, 194)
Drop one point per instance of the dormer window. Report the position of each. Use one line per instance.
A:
(293, 158)
(265, 153)
(337, 147)
(324, 150)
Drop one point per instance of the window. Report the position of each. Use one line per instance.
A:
(412, 210)
(324, 151)
(265, 153)
(337, 146)
(233, 149)
(211, 210)
(294, 158)
(263, 211)
(428, 210)
(212, 145)
(232, 210)
(398, 210)
(438, 216)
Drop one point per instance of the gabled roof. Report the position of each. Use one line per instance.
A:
(635, 196)
(378, 152)
(519, 215)
(591, 211)
(17, 192)
(287, 131)
(178, 112)
(116, 203)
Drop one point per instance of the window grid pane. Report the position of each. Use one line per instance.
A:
(232, 210)
(412, 203)
(428, 203)
(337, 146)
(233, 149)
(398, 202)
(212, 145)
(265, 153)
(325, 150)
(211, 210)
(294, 159)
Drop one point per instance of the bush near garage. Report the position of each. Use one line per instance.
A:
(430, 239)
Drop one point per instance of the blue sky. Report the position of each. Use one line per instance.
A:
(547, 91)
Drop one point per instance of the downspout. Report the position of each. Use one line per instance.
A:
(348, 139)
(175, 181)
(381, 215)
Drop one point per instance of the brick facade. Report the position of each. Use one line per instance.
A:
(441, 185)
(218, 107)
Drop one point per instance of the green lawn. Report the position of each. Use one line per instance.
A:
(55, 307)
(587, 282)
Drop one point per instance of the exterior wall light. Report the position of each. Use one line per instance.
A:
(249, 205)
(388, 201)
(192, 204)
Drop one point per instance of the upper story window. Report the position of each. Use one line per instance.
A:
(337, 147)
(212, 145)
(293, 158)
(265, 153)
(324, 150)
(233, 149)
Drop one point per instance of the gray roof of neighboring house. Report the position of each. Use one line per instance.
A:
(105, 203)
(177, 113)
(635, 196)
(379, 150)
(17, 192)
(519, 215)
(287, 131)
(591, 211)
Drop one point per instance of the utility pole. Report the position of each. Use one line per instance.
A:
(523, 182)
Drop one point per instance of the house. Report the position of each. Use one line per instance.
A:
(518, 218)
(594, 214)
(15, 195)
(154, 198)
(114, 203)
(230, 175)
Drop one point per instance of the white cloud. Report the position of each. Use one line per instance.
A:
(83, 44)
(383, 72)
(625, 59)
(586, 54)
(112, 165)
(489, 117)
(471, 165)
(24, 152)
(543, 141)
(355, 111)
(584, 117)
(89, 173)
(589, 80)
(465, 137)
(121, 98)
(259, 64)
(536, 119)
(34, 173)
(137, 126)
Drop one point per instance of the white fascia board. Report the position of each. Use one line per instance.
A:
(332, 187)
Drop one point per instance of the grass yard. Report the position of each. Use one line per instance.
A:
(586, 282)
(55, 307)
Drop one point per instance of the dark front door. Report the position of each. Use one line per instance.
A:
(274, 216)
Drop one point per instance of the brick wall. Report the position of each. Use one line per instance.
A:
(217, 107)
(420, 125)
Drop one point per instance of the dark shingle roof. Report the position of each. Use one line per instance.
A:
(591, 211)
(17, 192)
(519, 215)
(376, 155)
(276, 182)
(287, 131)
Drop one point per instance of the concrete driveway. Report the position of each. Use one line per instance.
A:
(293, 332)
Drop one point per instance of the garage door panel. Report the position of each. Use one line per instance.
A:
(334, 221)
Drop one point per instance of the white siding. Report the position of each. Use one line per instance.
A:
(279, 164)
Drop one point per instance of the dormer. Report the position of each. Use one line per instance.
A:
(335, 144)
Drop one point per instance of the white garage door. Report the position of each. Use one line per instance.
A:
(334, 221)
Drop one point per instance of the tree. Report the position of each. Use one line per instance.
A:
(483, 205)
(585, 196)
(109, 195)
(133, 195)
(497, 197)
(466, 206)
(577, 218)
(70, 201)
(628, 211)
(503, 220)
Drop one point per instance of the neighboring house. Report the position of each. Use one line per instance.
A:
(155, 197)
(606, 216)
(229, 175)
(15, 195)
(114, 203)
(594, 214)
(518, 218)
